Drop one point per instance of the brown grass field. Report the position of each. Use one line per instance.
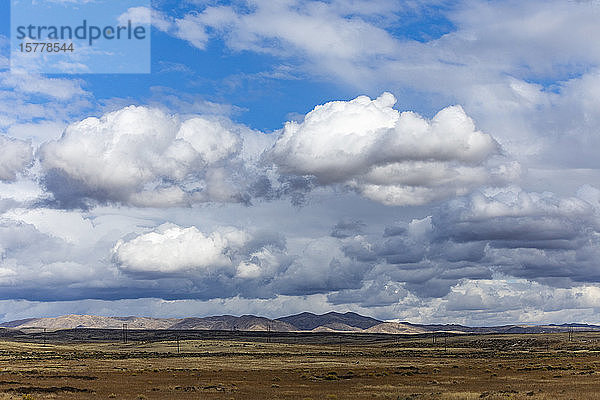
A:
(350, 366)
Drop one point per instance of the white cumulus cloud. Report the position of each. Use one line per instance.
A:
(391, 157)
(172, 249)
(143, 157)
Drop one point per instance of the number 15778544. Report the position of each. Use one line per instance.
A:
(45, 47)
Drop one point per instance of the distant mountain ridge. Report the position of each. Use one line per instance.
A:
(308, 321)
(303, 322)
(232, 323)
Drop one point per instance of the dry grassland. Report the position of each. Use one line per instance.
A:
(544, 366)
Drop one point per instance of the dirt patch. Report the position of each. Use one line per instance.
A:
(51, 389)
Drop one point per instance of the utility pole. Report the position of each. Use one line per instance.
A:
(570, 334)
(445, 341)
(125, 333)
(178, 349)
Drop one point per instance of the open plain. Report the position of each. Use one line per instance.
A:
(88, 363)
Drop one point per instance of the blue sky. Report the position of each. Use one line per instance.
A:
(430, 161)
(265, 88)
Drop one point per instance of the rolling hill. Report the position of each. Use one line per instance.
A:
(308, 321)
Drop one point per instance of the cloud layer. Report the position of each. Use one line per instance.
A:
(145, 157)
(478, 207)
(231, 262)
